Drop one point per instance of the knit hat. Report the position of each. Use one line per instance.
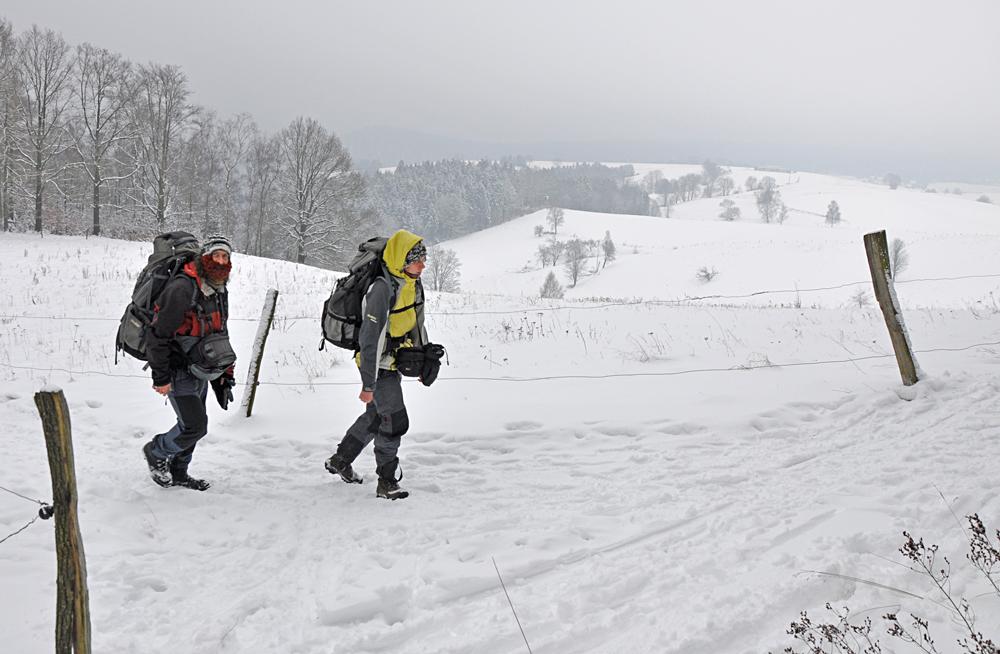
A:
(417, 253)
(216, 242)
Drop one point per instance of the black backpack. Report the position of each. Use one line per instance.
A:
(341, 321)
(171, 251)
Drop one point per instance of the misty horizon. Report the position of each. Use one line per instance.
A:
(857, 89)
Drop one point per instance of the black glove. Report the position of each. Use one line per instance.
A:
(432, 363)
(223, 388)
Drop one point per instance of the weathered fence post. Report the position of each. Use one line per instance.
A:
(72, 602)
(878, 263)
(257, 356)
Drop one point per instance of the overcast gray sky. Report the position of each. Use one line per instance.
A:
(765, 81)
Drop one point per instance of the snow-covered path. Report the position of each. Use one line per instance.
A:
(676, 483)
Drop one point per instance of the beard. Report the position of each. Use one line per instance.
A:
(215, 273)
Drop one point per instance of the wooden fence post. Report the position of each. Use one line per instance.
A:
(878, 262)
(72, 601)
(257, 356)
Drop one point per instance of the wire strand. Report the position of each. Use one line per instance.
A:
(570, 307)
(5, 538)
(669, 373)
(516, 619)
(25, 497)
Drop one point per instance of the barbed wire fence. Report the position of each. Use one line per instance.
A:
(563, 307)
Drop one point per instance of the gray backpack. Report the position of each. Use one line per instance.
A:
(171, 251)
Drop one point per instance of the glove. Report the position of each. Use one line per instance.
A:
(432, 363)
(223, 388)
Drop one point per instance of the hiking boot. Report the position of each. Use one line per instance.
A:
(337, 465)
(159, 469)
(390, 490)
(185, 481)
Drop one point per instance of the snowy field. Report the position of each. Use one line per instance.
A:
(663, 476)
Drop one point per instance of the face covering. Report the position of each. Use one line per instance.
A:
(215, 273)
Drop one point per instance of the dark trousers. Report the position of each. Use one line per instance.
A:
(187, 396)
(384, 421)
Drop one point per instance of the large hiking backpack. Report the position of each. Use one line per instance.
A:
(171, 251)
(341, 321)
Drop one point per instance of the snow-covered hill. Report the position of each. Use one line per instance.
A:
(652, 477)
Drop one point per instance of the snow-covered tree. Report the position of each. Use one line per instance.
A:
(608, 246)
(103, 94)
(319, 192)
(443, 270)
(729, 210)
(769, 202)
(833, 213)
(551, 288)
(262, 171)
(577, 251)
(159, 118)
(9, 112)
(44, 64)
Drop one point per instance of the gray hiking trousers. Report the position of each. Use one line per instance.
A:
(384, 421)
(187, 397)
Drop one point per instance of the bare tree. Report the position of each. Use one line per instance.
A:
(104, 92)
(751, 183)
(555, 218)
(443, 270)
(318, 189)
(263, 168)
(44, 66)
(892, 180)
(235, 137)
(161, 115)
(726, 185)
(9, 113)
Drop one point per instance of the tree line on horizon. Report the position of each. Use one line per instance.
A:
(92, 143)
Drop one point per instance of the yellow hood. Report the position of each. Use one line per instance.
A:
(395, 251)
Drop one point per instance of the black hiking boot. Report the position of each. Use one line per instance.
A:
(390, 490)
(159, 469)
(337, 465)
(180, 477)
(186, 481)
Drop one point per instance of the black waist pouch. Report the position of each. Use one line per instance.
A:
(410, 361)
(211, 356)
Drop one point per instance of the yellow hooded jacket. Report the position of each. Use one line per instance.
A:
(385, 327)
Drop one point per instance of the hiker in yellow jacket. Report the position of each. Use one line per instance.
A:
(392, 319)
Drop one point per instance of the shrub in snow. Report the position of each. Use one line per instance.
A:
(899, 258)
(706, 274)
(539, 230)
(861, 298)
(912, 630)
(984, 198)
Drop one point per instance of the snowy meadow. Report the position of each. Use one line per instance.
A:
(653, 463)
